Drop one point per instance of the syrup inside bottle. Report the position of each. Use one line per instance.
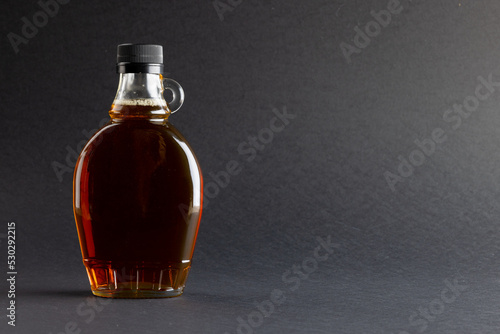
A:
(138, 199)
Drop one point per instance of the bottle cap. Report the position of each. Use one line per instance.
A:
(139, 58)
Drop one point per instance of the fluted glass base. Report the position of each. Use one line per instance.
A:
(136, 280)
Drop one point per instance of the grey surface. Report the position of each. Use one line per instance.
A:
(323, 175)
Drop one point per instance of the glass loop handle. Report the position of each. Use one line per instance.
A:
(177, 93)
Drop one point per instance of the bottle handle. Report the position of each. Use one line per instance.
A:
(177, 92)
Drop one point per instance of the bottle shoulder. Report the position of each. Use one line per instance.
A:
(137, 138)
(133, 130)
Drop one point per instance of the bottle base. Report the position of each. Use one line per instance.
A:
(136, 280)
(137, 293)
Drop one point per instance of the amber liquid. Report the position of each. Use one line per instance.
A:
(137, 199)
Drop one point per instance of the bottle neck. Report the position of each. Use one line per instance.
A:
(139, 96)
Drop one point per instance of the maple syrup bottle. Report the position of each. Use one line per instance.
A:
(138, 188)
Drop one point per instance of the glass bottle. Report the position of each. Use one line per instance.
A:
(138, 187)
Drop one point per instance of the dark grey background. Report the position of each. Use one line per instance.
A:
(323, 175)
